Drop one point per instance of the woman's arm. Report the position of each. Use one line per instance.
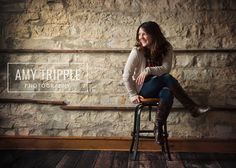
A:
(130, 66)
(164, 68)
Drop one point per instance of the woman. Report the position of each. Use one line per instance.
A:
(146, 74)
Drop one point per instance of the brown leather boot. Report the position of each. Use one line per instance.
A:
(158, 132)
(162, 113)
(200, 110)
(187, 102)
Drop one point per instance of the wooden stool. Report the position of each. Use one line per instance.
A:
(137, 133)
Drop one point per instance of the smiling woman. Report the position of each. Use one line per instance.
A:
(96, 36)
(146, 74)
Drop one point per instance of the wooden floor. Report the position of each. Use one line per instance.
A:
(111, 159)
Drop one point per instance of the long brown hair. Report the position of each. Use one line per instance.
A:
(159, 45)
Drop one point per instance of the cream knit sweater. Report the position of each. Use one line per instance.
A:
(136, 64)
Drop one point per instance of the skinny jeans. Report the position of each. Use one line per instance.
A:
(159, 87)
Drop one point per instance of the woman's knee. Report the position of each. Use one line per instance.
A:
(166, 95)
(169, 80)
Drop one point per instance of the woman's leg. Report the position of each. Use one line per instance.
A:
(151, 87)
(182, 96)
(165, 104)
(154, 87)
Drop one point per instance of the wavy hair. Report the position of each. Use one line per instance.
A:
(159, 45)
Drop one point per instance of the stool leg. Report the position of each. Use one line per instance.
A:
(166, 142)
(150, 111)
(134, 129)
(135, 135)
(136, 143)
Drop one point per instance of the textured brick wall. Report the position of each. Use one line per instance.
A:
(207, 76)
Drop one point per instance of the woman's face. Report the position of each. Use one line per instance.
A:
(144, 38)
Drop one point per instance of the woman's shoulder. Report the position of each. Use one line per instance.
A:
(136, 53)
(137, 50)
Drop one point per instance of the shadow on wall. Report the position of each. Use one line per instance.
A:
(4, 59)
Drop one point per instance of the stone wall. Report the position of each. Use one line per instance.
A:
(92, 24)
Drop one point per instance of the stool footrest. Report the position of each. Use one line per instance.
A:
(143, 132)
(146, 137)
(147, 131)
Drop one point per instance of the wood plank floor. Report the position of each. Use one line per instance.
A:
(111, 159)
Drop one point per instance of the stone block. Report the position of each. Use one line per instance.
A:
(36, 132)
(64, 133)
(59, 125)
(204, 60)
(200, 75)
(6, 123)
(49, 125)
(23, 131)
(10, 132)
(185, 61)
(53, 132)
(215, 60)
(177, 73)
(53, 124)
(38, 43)
(224, 74)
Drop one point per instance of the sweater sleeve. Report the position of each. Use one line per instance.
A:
(129, 69)
(164, 68)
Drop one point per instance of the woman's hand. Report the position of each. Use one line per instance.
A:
(136, 99)
(140, 79)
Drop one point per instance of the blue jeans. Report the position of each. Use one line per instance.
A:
(158, 87)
